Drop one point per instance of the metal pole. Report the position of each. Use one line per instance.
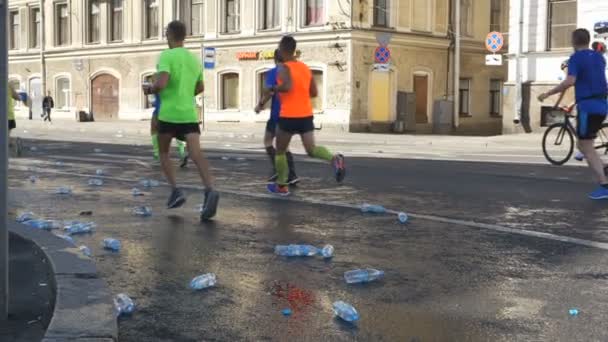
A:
(42, 47)
(456, 63)
(4, 299)
(518, 71)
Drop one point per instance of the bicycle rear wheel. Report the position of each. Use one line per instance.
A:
(601, 142)
(558, 144)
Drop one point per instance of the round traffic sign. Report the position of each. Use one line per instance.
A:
(494, 41)
(382, 55)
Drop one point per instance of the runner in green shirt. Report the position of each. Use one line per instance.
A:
(179, 79)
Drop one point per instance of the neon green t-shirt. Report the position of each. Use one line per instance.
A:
(10, 105)
(177, 99)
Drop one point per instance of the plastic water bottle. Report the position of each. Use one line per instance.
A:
(327, 252)
(33, 148)
(136, 192)
(123, 305)
(296, 250)
(33, 179)
(66, 238)
(24, 217)
(111, 244)
(59, 163)
(95, 182)
(99, 172)
(225, 158)
(85, 250)
(42, 224)
(346, 311)
(79, 228)
(63, 190)
(403, 217)
(203, 281)
(149, 183)
(97, 150)
(579, 156)
(373, 209)
(142, 211)
(363, 276)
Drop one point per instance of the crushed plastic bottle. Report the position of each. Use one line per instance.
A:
(63, 190)
(296, 250)
(85, 250)
(74, 228)
(111, 244)
(66, 238)
(149, 183)
(95, 182)
(346, 311)
(203, 281)
(123, 305)
(136, 192)
(59, 163)
(327, 252)
(372, 208)
(363, 275)
(142, 211)
(225, 158)
(43, 224)
(100, 172)
(403, 218)
(33, 179)
(573, 312)
(24, 217)
(33, 148)
(97, 150)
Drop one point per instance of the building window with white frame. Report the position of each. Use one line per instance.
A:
(381, 13)
(317, 102)
(314, 12)
(231, 16)
(496, 97)
(13, 39)
(466, 18)
(562, 21)
(150, 19)
(62, 24)
(116, 9)
(192, 14)
(270, 14)
(94, 22)
(35, 28)
(229, 87)
(464, 97)
(62, 93)
(421, 16)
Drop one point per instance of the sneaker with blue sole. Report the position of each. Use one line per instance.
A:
(600, 193)
(280, 190)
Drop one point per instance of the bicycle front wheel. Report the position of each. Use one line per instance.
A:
(558, 144)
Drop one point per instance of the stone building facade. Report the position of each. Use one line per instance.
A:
(98, 52)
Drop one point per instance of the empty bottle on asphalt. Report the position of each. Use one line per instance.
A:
(95, 182)
(327, 251)
(363, 275)
(66, 238)
(142, 211)
(24, 217)
(136, 192)
(85, 250)
(111, 244)
(203, 281)
(79, 228)
(372, 209)
(345, 311)
(296, 250)
(33, 179)
(123, 304)
(43, 224)
(63, 190)
(403, 217)
(99, 172)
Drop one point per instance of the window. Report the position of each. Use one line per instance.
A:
(35, 27)
(13, 38)
(421, 20)
(62, 23)
(562, 21)
(495, 97)
(230, 90)
(62, 93)
(94, 21)
(151, 19)
(466, 18)
(381, 11)
(315, 13)
(232, 16)
(464, 95)
(262, 76)
(192, 14)
(496, 15)
(270, 14)
(148, 99)
(116, 20)
(317, 102)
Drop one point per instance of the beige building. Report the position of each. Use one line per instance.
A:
(98, 52)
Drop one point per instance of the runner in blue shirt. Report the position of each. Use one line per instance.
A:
(271, 124)
(586, 73)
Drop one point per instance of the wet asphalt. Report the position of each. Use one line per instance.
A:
(444, 282)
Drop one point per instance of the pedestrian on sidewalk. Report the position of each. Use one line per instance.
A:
(179, 79)
(296, 87)
(271, 124)
(47, 105)
(586, 72)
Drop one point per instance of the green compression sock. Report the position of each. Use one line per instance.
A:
(321, 152)
(155, 145)
(280, 163)
(181, 148)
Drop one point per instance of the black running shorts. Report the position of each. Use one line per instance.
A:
(297, 126)
(178, 130)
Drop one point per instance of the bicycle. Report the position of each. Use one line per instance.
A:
(565, 130)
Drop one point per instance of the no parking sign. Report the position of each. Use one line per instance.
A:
(382, 55)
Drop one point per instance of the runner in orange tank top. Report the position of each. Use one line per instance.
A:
(296, 87)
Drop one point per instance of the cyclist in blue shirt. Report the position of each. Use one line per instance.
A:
(271, 124)
(586, 73)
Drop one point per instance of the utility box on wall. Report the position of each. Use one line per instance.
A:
(443, 117)
(406, 113)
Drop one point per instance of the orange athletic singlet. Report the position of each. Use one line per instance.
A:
(296, 103)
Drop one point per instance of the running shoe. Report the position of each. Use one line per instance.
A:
(176, 200)
(293, 179)
(184, 161)
(210, 203)
(339, 167)
(277, 189)
(273, 178)
(579, 156)
(600, 193)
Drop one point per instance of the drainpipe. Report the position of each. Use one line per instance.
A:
(42, 46)
(3, 167)
(518, 69)
(456, 63)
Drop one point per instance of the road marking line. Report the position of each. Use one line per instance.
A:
(433, 218)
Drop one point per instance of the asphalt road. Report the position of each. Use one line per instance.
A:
(445, 281)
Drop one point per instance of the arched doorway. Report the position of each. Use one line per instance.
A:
(104, 97)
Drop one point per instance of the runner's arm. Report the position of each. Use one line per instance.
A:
(314, 91)
(200, 87)
(562, 87)
(285, 77)
(162, 80)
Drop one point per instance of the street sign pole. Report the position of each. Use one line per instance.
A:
(3, 163)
